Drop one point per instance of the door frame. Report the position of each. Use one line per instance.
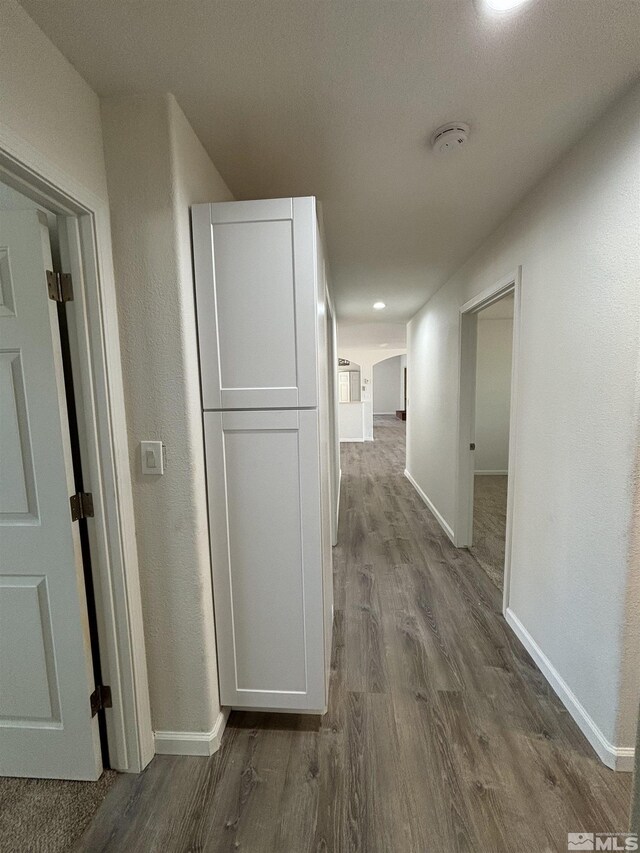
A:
(86, 236)
(465, 468)
(334, 438)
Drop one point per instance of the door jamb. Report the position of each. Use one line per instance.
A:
(85, 219)
(467, 338)
(334, 439)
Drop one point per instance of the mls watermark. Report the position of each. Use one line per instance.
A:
(602, 841)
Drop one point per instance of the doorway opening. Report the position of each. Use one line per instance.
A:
(486, 428)
(349, 382)
(491, 456)
(390, 387)
(405, 392)
(350, 403)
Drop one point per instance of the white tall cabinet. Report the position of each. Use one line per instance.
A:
(265, 372)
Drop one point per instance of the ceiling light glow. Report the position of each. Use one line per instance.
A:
(504, 5)
(379, 306)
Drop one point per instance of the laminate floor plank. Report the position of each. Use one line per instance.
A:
(441, 734)
(490, 524)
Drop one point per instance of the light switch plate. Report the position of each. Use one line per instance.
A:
(151, 457)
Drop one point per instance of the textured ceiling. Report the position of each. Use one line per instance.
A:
(372, 334)
(337, 98)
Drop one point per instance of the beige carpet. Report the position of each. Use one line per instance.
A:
(47, 815)
(489, 525)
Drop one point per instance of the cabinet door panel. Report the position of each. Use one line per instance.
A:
(255, 288)
(264, 507)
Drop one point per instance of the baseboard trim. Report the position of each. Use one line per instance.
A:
(616, 757)
(192, 743)
(346, 440)
(443, 524)
(492, 473)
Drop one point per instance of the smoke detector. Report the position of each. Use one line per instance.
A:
(450, 137)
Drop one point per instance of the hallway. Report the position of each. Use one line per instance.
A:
(441, 734)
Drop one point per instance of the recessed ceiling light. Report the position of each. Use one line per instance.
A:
(379, 306)
(504, 5)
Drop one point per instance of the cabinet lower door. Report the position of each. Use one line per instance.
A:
(265, 521)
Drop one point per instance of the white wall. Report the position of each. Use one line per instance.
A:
(50, 120)
(156, 169)
(493, 392)
(388, 384)
(45, 102)
(351, 421)
(574, 587)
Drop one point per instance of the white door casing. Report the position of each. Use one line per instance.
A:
(465, 467)
(46, 676)
(325, 406)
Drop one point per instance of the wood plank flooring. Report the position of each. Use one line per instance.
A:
(490, 524)
(441, 733)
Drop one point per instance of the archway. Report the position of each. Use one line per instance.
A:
(389, 386)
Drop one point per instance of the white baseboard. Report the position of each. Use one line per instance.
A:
(192, 743)
(492, 473)
(393, 414)
(358, 440)
(615, 757)
(443, 524)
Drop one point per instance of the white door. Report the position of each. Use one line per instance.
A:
(344, 386)
(354, 386)
(46, 678)
(264, 509)
(255, 269)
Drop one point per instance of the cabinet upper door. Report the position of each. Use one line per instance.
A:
(255, 272)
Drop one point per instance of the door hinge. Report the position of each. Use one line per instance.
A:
(81, 506)
(59, 286)
(100, 698)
